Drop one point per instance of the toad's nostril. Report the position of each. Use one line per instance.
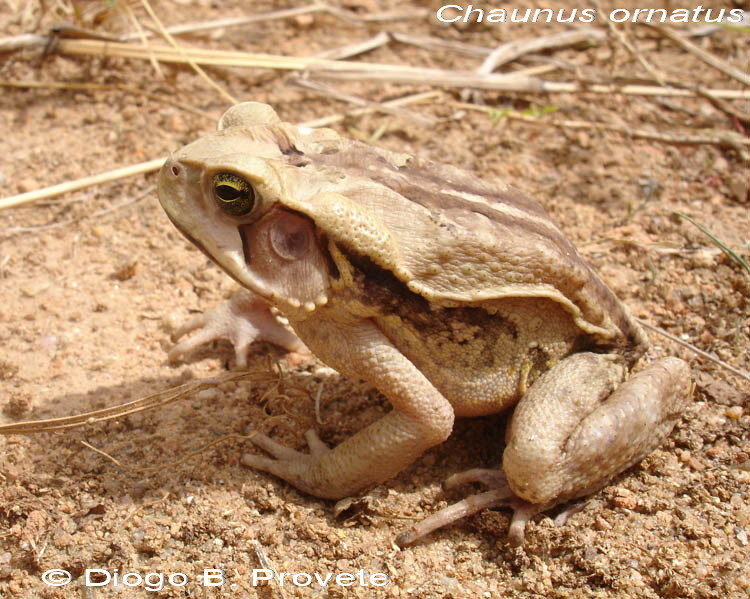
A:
(175, 170)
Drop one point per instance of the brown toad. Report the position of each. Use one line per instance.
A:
(452, 296)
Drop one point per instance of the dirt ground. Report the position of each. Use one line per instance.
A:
(93, 282)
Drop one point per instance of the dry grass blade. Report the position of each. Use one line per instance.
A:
(518, 81)
(141, 36)
(403, 101)
(222, 92)
(728, 139)
(289, 13)
(521, 80)
(350, 50)
(728, 252)
(623, 40)
(56, 190)
(321, 88)
(711, 358)
(69, 31)
(241, 21)
(23, 42)
(139, 405)
(435, 43)
(185, 457)
(154, 165)
(227, 58)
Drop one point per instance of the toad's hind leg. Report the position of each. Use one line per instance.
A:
(578, 426)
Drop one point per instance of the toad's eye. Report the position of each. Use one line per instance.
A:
(233, 194)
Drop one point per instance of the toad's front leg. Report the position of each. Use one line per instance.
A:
(421, 416)
(242, 320)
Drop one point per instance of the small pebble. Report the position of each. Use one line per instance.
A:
(35, 288)
(628, 503)
(304, 21)
(208, 394)
(740, 189)
(26, 185)
(734, 413)
(125, 270)
(741, 535)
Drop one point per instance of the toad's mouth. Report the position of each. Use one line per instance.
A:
(243, 230)
(191, 238)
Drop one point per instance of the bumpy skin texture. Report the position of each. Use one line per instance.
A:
(454, 297)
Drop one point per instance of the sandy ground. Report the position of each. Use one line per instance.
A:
(93, 282)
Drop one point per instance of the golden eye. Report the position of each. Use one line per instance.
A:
(233, 194)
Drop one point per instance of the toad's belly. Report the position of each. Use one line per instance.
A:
(482, 362)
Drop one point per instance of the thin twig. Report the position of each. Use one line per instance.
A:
(141, 35)
(153, 165)
(403, 101)
(720, 104)
(721, 138)
(240, 21)
(349, 16)
(711, 60)
(701, 91)
(518, 81)
(229, 58)
(711, 358)
(138, 509)
(435, 43)
(182, 459)
(326, 90)
(514, 82)
(350, 50)
(513, 50)
(56, 190)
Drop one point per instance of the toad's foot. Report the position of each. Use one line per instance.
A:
(293, 466)
(499, 495)
(243, 319)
